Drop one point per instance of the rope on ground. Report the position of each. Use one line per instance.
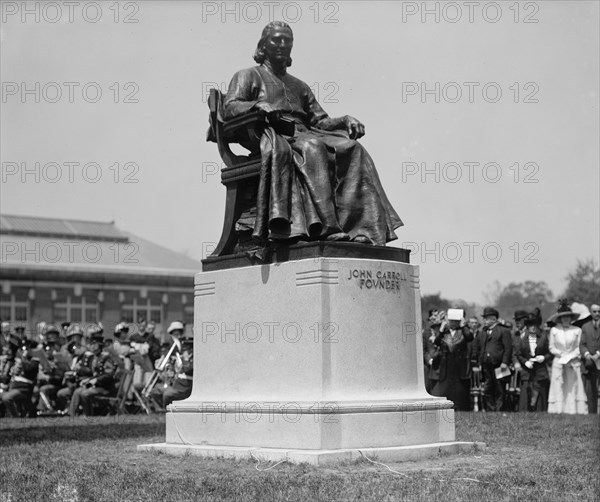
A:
(268, 468)
(384, 465)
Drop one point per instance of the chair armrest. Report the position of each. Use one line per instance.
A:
(250, 126)
(251, 119)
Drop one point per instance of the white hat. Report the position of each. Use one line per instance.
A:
(122, 326)
(174, 326)
(583, 311)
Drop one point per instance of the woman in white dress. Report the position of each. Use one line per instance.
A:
(567, 394)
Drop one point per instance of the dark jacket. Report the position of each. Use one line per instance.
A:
(590, 342)
(460, 351)
(523, 354)
(431, 352)
(496, 346)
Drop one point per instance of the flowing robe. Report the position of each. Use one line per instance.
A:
(317, 183)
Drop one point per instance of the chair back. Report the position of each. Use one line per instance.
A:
(124, 385)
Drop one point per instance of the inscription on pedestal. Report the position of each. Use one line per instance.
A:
(390, 280)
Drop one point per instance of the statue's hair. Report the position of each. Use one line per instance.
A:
(259, 53)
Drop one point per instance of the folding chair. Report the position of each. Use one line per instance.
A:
(116, 404)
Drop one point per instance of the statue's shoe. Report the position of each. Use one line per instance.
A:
(339, 236)
(361, 239)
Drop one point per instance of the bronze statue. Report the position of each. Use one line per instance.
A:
(320, 183)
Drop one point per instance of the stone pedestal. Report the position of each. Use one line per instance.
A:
(312, 359)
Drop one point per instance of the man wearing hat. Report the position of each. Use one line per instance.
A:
(97, 374)
(519, 333)
(74, 352)
(532, 352)
(18, 399)
(589, 347)
(50, 379)
(20, 331)
(495, 352)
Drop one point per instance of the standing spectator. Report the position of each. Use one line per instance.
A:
(533, 353)
(496, 352)
(454, 365)
(475, 327)
(567, 394)
(431, 352)
(519, 334)
(435, 321)
(589, 347)
(474, 349)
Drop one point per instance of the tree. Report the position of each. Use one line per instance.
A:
(522, 296)
(583, 284)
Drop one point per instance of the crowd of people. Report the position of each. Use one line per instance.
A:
(530, 365)
(492, 365)
(70, 369)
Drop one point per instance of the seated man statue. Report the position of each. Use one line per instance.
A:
(320, 184)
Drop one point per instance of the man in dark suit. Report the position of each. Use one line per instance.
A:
(589, 347)
(495, 352)
(519, 334)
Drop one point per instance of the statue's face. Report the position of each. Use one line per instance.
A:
(278, 45)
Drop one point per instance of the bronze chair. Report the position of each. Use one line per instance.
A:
(241, 172)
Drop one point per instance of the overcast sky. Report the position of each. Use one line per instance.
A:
(504, 96)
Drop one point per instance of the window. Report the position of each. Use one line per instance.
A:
(76, 310)
(188, 316)
(13, 311)
(142, 308)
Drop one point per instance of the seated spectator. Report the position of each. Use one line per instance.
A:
(50, 379)
(184, 369)
(99, 380)
(18, 399)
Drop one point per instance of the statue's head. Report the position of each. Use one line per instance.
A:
(275, 43)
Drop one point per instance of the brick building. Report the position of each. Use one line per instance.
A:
(86, 271)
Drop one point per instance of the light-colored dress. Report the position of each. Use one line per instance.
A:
(567, 394)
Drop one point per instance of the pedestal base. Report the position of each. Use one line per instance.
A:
(313, 360)
(319, 457)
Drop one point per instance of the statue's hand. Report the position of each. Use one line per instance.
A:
(273, 114)
(355, 128)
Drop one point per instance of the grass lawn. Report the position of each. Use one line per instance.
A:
(529, 457)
